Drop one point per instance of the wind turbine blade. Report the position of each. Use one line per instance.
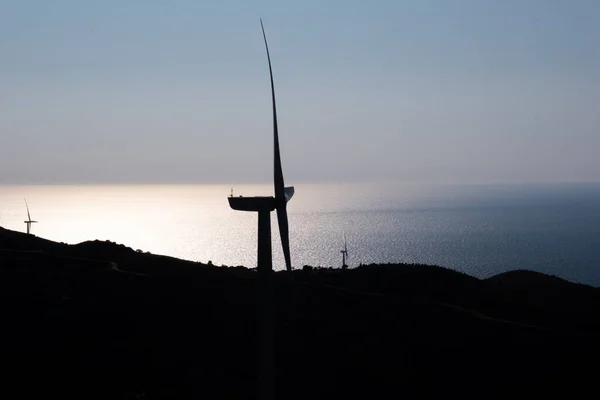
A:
(278, 172)
(28, 216)
(284, 232)
(282, 194)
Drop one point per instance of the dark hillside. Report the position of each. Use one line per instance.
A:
(99, 320)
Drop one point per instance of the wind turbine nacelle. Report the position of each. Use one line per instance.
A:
(258, 203)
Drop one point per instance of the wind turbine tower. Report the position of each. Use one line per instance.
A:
(29, 221)
(263, 205)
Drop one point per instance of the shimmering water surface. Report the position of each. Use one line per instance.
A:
(479, 229)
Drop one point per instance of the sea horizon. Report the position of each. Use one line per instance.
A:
(477, 228)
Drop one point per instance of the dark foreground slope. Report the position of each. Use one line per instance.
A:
(99, 320)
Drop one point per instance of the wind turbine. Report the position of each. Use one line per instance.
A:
(29, 221)
(344, 254)
(264, 205)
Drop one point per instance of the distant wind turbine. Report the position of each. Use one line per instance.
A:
(264, 205)
(29, 221)
(344, 254)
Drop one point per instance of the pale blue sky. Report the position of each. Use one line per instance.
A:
(177, 91)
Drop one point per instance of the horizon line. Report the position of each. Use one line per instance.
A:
(306, 181)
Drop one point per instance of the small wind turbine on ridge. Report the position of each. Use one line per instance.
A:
(344, 254)
(29, 221)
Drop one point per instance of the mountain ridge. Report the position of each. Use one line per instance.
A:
(101, 320)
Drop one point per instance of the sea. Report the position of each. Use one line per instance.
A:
(482, 230)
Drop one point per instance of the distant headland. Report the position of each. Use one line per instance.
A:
(102, 320)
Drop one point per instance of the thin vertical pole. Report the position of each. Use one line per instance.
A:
(265, 331)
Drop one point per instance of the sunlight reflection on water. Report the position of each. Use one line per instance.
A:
(481, 230)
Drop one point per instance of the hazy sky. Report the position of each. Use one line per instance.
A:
(177, 91)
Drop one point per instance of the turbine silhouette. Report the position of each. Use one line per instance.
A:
(29, 221)
(264, 205)
(344, 254)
